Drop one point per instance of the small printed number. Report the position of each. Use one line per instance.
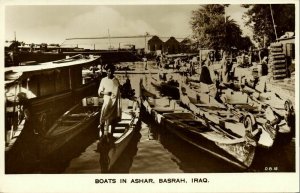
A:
(270, 169)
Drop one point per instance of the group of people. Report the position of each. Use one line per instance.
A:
(110, 88)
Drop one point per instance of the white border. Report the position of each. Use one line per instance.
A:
(227, 182)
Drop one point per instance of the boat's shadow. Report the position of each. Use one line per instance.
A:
(60, 160)
(280, 158)
(190, 159)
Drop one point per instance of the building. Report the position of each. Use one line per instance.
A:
(170, 46)
(155, 43)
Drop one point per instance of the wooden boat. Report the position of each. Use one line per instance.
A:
(42, 85)
(166, 88)
(202, 133)
(112, 146)
(282, 107)
(275, 99)
(36, 96)
(81, 117)
(239, 113)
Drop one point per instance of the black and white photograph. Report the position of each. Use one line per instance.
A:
(166, 96)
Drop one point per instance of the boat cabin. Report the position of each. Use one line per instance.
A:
(45, 91)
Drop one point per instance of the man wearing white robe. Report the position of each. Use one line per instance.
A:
(111, 109)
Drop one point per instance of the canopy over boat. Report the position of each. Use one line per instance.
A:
(23, 72)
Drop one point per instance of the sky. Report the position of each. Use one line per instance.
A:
(55, 23)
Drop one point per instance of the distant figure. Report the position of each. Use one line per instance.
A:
(262, 53)
(205, 75)
(111, 109)
(158, 59)
(243, 58)
(264, 66)
(172, 82)
(211, 56)
(145, 63)
(208, 79)
(163, 76)
(177, 63)
(226, 70)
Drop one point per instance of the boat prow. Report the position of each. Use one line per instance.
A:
(112, 146)
(80, 117)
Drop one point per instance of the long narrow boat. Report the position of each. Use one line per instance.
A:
(167, 88)
(112, 146)
(271, 105)
(239, 113)
(201, 133)
(81, 117)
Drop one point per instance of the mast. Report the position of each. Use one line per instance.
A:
(274, 25)
(109, 39)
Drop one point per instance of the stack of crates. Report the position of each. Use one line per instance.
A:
(278, 62)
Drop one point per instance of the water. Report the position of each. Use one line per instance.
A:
(152, 150)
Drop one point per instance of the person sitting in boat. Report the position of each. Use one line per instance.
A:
(206, 75)
(163, 76)
(208, 79)
(227, 70)
(126, 90)
(172, 82)
(111, 109)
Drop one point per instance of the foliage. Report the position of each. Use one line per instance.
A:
(259, 18)
(213, 30)
(187, 46)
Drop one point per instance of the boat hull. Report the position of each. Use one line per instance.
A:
(111, 147)
(239, 152)
(79, 118)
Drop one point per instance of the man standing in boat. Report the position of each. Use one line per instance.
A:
(111, 109)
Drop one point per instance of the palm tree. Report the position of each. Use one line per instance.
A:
(213, 30)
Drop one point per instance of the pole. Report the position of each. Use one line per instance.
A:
(109, 40)
(273, 21)
(145, 42)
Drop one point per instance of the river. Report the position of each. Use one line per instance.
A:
(152, 151)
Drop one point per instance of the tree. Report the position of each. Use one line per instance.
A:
(187, 46)
(245, 43)
(213, 30)
(259, 18)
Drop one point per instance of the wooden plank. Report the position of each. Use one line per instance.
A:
(278, 61)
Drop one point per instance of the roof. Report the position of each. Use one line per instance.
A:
(15, 72)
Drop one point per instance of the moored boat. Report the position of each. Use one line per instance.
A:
(112, 146)
(237, 112)
(201, 133)
(166, 87)
(36, 96)
(81, 117)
